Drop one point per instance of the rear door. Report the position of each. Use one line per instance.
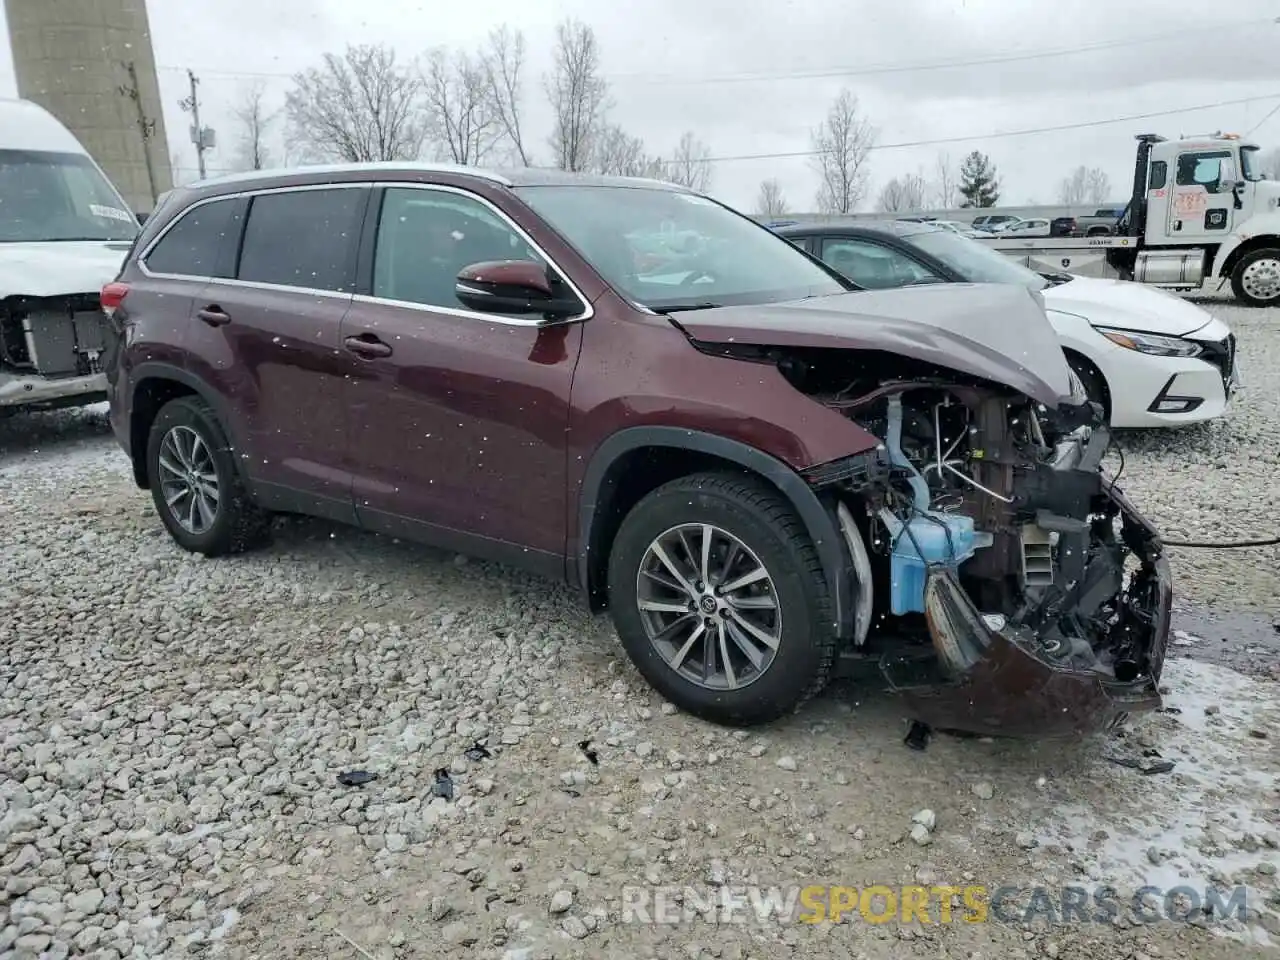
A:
(268, 338)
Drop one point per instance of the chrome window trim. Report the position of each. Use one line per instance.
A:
(588, 311)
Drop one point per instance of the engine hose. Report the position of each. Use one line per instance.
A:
(1227, 545)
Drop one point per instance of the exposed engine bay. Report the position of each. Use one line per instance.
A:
(52, 336)
(985, 527)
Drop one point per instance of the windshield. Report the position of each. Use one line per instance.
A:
(1249, 164)
(58, 196)
(665, 249)
(973, 261)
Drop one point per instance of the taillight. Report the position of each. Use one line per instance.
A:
(112, 296)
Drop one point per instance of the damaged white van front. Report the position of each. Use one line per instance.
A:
(64, 232)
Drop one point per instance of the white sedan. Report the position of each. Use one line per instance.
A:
(1150, 358)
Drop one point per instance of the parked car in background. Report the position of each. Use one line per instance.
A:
(955, 226)
(1063, 227)
(1149, 358)
(1033, 227)
(736, 452)
(64, 231)
(990, 221)
(1102, 223)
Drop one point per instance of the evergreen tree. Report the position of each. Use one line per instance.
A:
(979, 184)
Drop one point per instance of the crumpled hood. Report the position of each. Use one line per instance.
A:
(995, 331)
(58, 269)
(1123, 303)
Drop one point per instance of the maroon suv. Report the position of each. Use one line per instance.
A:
(754, 466)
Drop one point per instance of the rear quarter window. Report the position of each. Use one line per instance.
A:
(303, 238)
(190, 247)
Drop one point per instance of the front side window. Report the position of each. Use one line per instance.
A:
(973, 261)
(670, 250)
(425, 237)
(873, 266)
(50, 197)
(190, 247)
(303, 238)
(1204, 169)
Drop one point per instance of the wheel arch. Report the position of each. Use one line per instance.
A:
(1229, 255)
(1076, 356)
(636, 460)
(155, 384)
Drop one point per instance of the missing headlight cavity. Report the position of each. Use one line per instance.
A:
(1000, 553)
(52, 336)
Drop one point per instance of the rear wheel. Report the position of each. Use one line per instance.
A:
(195, 485)
(1256, 278)
(720, 601)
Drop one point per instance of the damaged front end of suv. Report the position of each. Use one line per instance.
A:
(1005, 582)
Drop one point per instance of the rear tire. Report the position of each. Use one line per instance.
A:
(195, 485)
(752, 528)
(1256, 279)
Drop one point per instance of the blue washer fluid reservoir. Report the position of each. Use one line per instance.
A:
(943, 538)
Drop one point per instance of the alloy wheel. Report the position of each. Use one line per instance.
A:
(709, 606)
(188, 479)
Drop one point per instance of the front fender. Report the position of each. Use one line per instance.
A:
(1259, 226)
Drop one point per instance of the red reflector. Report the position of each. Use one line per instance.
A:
(113, 295)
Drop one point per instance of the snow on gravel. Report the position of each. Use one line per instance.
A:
(171, 731)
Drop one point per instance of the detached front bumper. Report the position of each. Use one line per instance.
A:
(1019, 679)
(34, 391)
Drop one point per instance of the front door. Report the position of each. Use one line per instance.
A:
(1202, 208)
(458, 418)
(269, 337)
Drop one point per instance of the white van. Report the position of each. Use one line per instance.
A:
(64, 232)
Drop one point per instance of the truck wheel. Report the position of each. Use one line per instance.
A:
(719, 598)
(195, 485)
(1256, 278)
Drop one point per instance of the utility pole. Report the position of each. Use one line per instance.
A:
(197, 133)
(146, 127)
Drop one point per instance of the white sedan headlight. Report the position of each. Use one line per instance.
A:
(1150, 343)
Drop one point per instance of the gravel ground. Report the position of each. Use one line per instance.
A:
(171, 730)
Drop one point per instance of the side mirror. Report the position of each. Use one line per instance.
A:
(515, 287)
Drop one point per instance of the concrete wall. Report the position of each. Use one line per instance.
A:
(69, 56)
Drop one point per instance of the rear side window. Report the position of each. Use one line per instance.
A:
(303, 238)
(1159, 175)
(190, 247)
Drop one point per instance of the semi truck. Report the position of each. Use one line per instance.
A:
(1201, 210)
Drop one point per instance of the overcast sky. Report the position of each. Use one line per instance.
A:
(727, 69)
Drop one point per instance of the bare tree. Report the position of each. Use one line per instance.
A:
(359, 107)
(459, 110)
(1097, 186)
(503, 63)
(255, 121)
(690, 166)
(619, 154)
(903, 194)
(945, 183)
(770, 202)
(1072, 190)
(579, 95)
(841, 144)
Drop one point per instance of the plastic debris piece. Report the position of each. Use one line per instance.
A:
(917, 737)
(356, 778)
(443, 787)
(477, 752)
(592, 757)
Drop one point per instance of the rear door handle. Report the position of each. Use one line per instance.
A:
(368, 346)
(213, 316)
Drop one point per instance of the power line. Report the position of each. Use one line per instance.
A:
(1271, 113)
(833, 72)
(999, 135)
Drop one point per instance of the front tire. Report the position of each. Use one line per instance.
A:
(720, 601)
(1256, 279)
(195, 485)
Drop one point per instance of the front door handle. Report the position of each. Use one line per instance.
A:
(368, 346)
(213, 316)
